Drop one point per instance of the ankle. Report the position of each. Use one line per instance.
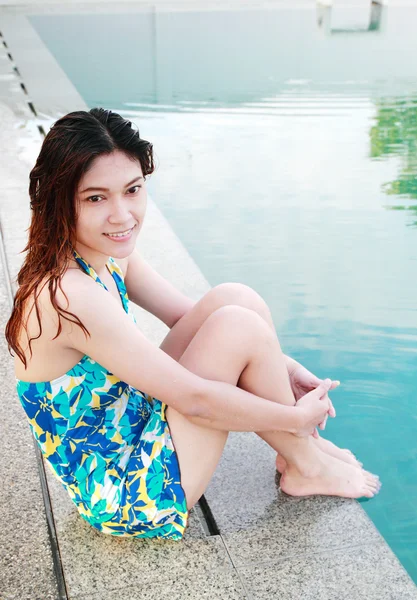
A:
(308, 463)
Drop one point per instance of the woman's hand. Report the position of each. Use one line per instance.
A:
(303, 381)
(315, 407)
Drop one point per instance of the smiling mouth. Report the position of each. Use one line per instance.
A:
(121, 234)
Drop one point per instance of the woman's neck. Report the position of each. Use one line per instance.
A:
(97, 260)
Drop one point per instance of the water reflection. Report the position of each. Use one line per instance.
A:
(226, 56)
(395, 134)
(344, 18)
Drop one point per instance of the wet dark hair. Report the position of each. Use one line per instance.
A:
(67, 153)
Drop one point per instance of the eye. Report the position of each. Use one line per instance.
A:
(92, 199)
(135, 187)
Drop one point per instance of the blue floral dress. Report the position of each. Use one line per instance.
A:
(109, 444)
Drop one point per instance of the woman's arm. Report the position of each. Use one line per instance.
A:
(291, 363)
(117, 344)
(148, 289)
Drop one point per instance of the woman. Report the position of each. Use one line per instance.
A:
(134, 432)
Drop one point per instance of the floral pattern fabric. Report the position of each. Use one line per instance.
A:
(109, 444)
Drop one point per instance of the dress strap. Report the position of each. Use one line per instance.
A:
(117, 275)
(115, 272)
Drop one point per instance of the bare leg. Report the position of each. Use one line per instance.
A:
(235, 345)
(180, 336)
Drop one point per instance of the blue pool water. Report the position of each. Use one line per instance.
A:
(287, 148)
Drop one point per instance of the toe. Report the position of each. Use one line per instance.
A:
(372, 484)
(368, 493)
(375, 484)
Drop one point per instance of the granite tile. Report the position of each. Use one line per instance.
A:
(23, 144)
(94, 562)
(15, 210)
(243, 492)
(259, 523)
(290, 526)
(249, 503)
(26, 571)
(370, 572)
(220, 585)
(25, 552)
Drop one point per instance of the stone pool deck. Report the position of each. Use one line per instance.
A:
(261, 544)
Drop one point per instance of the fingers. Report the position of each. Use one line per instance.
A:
(327, 385)
(332, 411)
(323, 388)
(316, 381)
(322, 425)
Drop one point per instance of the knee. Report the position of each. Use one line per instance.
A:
(241, 295)
(238, 322)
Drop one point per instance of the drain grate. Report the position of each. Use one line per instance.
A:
(32, 108)
(16, 70)
(208, 517)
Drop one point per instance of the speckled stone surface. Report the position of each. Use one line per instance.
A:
(25, 554)
(219, 585)
(248, 508)
(301, 525)
(241, 492)
(367, 572)
(260, 525)
(95, 563)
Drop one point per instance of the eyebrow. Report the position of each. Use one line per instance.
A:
(91, 189)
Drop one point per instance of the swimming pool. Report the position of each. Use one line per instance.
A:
(288, 161)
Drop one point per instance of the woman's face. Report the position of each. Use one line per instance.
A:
(111, 199)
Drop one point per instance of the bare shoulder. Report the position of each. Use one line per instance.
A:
(75, 292)
(79, 294)
(78, 291)
(50, 355)
(72, 282)
(53, 351)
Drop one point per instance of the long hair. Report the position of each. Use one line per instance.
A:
(67, 152)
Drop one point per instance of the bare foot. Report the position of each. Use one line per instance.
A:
(327, 447)
(340, 453)
(330, 477)
(281, 464)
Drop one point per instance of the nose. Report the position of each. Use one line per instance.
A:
(119, 212)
